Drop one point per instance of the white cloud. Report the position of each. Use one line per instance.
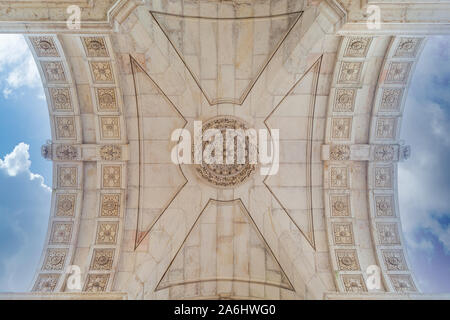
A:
(18, 161)
(20, 68)
(424, 180)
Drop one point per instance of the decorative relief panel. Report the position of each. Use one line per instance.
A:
(345, 100)
(54, 71)
(110, 205)
(384, 206)
(111, 153)
(350, 72)
(67, 153)
(398, 72)
(383, 177)
(385, 153)
(403, 283)
(391, 99)
(347, 260)
(65, 128)
(61, 99)
(61, 233)
(340, 152)
(67, 177)
(102, 259)
(96, 282)
(102, 72)
(65, 205)
(95, 47)
(343, 233)
(44, 46)
(357, 47)
(353, 283)
(106, 99)
(341, 128)
(339, 177)
(408, 47)
(55, 259)
(388, 233)
(386, 128)
(394, 260)
(112, 176)
(46, 283)
(107, 233)
(340, 205)
(110, 128)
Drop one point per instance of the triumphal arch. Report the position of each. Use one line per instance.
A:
(121, 76)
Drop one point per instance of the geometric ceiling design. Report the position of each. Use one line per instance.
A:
(215, 50)
(224, 247)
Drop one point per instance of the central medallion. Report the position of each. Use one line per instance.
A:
(226, 175)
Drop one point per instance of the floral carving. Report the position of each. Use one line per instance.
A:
(388, 233)
(67, 177)
(102, 71)
(350, 72)
(347, 260)
(225, 175)
(398, 72)
(353, 283)
(383, 177)
(340, 152)
(339, 177)
(102, 259)
(66, 153)
(61, 100)
(340, 205)
(106, 98)
(343, 233)
(403, 283)
(110, 127)
(65, 205)
(46, 283)
(96, 282)
(61, 233)
(341, 128)
(55, 259)
(394, 260)
(112, 176)
(357, 47)
(65, 127)
(345, 100)
(44, 46)
(408, 47)
(54, 71)
(111, 153)
(110, 205)
(386, 128)
(95, 47)
(384, 153)
(107, 232)
(384, 206)
(390, 99)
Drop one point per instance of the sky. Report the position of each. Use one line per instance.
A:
(424, 179)
(25, 177)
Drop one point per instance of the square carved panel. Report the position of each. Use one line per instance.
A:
(102, 259)
(350, 72)
(54, 71)
(357, 47)
(341, 128)
(347, 260)
(67, 177)
(106, 99)
(55, 259)
(65, 128)
(343, 233)
(102, 71)
(96, 283)
(95, 47)
(110, 205)
(388, 233)
(61, 99)
(345, 100)
(353, 283)
(339, 177)
(340, 205)
(110, 128)
(44, 46)
(65, 205)
(112, 176)
(61, 233)
(107, 232)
